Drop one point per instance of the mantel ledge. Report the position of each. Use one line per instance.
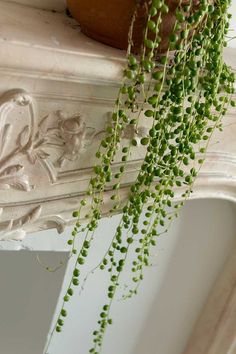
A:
(57, 93)
(28, 34)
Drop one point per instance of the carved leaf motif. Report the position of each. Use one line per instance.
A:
(5, 136)
(13, 177)
(37, 141)
(19, 182)
(56, 222)
(32, 156)
(13, 229)
(43, 125)
(47, 127)
(16, 235)
(9, 225)
(54, 140)
(14, 169)
(89, 132)
(89, 135)
(42, 154)
(35, 213)
(24, 135)
(32, 216)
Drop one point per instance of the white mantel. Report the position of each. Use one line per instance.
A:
(54, 78)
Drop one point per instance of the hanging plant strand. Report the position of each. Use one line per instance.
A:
(184, 94)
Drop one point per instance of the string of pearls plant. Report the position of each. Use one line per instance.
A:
(184, 94)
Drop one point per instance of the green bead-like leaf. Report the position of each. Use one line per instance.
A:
(145, 141)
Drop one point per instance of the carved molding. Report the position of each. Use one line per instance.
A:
(47, 149)
(13, 175)
(38, 139)
(14, 229)
(32, 147)
(46, 161)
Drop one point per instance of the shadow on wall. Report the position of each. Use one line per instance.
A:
(158, 320)
(206, 235)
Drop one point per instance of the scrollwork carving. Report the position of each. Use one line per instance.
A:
(14, 229)
(13, 176)
(69, 135)
(51, 141)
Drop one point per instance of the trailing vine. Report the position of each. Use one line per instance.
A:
(184, 94)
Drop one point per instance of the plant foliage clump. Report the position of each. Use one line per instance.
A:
(184, 94)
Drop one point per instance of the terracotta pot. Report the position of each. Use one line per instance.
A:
(108, 21)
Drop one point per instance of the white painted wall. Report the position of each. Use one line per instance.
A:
(232, 32)
(28, 297)
(160, 319)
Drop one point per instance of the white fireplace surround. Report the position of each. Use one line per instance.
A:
(57, 92)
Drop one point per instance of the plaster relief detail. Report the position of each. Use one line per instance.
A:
(69, 135)
(15, 229)
(13, 175)
(50, 141)
(55, 149)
